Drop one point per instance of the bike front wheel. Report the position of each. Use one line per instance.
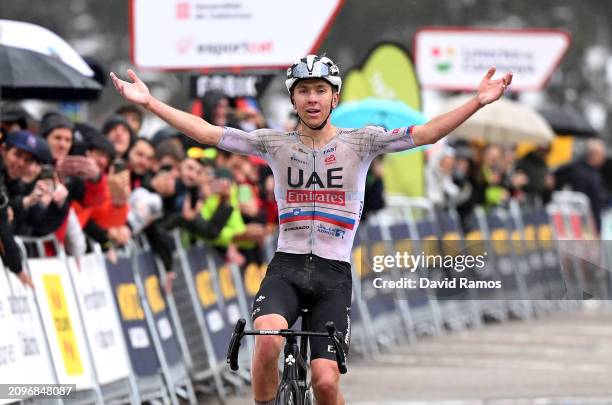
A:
(288, 394)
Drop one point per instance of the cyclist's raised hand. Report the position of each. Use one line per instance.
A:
(136, 92)
(491, 90)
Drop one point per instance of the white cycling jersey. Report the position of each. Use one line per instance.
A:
(319, 192)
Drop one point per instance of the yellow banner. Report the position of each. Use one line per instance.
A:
(156, 301)
(129, 302)
(63, 325)
(205, 289)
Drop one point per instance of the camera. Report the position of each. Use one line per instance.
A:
(47, 172)
(119, 165)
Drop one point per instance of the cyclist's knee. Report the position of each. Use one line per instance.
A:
(325, 377)
(269, 347)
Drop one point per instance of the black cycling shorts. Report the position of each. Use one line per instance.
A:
(306, 281)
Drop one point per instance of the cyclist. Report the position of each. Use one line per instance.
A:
(319, 172)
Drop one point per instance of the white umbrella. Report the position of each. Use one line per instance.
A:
(504, 122)
(35, 38)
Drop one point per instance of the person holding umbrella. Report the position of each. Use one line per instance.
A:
(319, 175)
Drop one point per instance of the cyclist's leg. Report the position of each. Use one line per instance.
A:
(333, 303)
(276, 307)
(325, 379)
(264, 372)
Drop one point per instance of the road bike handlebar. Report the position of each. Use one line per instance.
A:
(335, 336)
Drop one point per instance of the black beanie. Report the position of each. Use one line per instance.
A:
(54, 120)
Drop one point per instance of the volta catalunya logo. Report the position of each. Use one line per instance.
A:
(443, 58)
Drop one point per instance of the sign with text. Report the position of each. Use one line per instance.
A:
(458, 58)
(231, 85)
(195, 34)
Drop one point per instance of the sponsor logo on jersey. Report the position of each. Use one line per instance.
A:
(331, 149)
(327, 230)
(297, 228)
(332, 178)
(294, 159)
(331, 159)
(321, 216)
(317, 196)
(297, 148)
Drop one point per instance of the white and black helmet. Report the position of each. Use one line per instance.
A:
(313, 67)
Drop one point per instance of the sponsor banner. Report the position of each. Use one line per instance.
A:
(224, 34)
(158, 306)
(231, 85)
(12, 364)
(227, 287)
(457, 58)
(100, 317)
(142, 354)
(60, 317)
(317, 196)
(29, 330)
(219, 328)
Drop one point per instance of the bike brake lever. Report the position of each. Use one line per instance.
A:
(336, 338)
(234, 347)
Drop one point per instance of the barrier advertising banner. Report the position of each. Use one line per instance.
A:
(158, 306)
(193, 34)
(29, 330)
(61, 320)
(12, 368)
(456, 58)
(100, 318)
(140, 347)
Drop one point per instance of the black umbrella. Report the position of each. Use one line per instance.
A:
(26, 74)
(567, 120)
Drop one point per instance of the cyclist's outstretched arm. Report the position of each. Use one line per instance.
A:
(189, 124)
(489, 91)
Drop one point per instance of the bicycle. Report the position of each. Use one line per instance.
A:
(294, 388)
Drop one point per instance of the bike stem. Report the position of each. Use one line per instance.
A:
(290, 369)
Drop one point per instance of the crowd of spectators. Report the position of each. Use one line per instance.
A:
(113, 184)
(464, 176)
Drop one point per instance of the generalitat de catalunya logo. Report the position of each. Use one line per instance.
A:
(443, 58)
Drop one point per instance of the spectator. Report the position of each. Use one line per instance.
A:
(120, 133)
(465, 174)
(106, 223)
(80, 174)
(57, 130)
(169, 154)
(540, 182)
(37, 208)
(441, 189)
(583, 176)
(237, 238)
(492, 183)
(140, 163)
(9, 252)
(146, 199)
(13, 118)
(133, 115)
